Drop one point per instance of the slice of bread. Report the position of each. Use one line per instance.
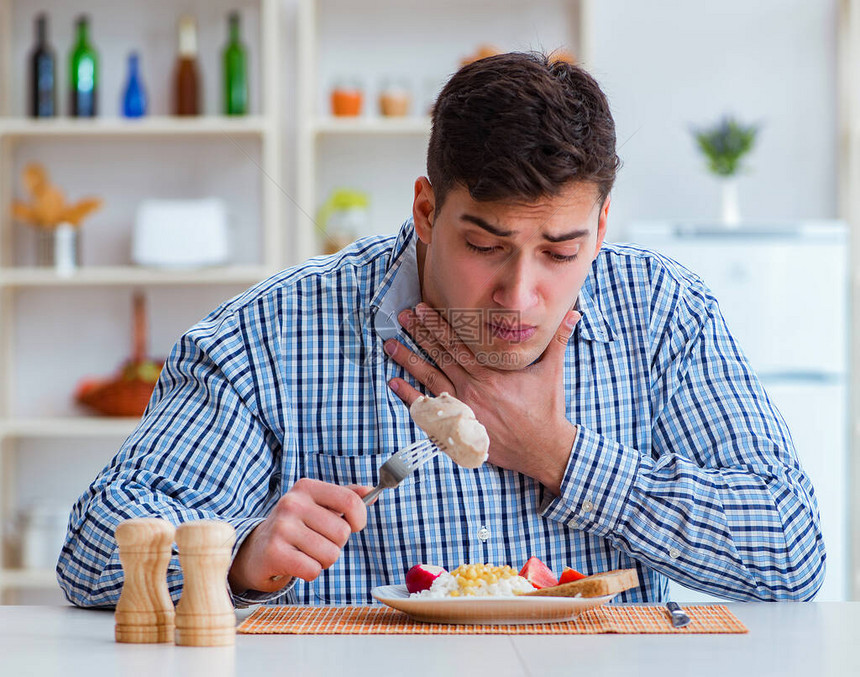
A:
(607, 583)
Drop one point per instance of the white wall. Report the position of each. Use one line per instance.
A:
(668, 64)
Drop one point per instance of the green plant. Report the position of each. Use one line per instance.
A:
(725, 144)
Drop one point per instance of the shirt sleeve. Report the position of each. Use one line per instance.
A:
(720, 502)
(208, 446)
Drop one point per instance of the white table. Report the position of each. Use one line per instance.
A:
(784, 639)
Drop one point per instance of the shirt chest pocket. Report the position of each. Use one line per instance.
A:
(346, 429)
(343, 470)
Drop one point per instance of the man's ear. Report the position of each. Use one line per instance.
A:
(423, 209)
(602, 220)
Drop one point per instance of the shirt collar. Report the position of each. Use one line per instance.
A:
(593, 326)
(400, 288)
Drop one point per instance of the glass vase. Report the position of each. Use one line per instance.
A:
(59, 248)
(730, 205)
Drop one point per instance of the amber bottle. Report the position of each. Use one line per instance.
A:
(186, 84)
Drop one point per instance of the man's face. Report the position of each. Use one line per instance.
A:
(505, 273)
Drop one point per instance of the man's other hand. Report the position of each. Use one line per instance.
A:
(303, 535)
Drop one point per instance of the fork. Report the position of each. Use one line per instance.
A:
(401, 464)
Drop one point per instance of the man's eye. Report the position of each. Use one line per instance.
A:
(562, 258)
(480, 250)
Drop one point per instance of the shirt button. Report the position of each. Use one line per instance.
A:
(483, 534)
(587, 507)
(674, 553)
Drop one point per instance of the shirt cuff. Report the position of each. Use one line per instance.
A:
(245, 598)
(597, 481)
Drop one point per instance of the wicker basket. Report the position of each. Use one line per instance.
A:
(116, 397)
(126, 394)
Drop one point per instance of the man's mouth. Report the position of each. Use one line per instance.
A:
(512, 334)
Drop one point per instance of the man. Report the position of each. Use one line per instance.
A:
(626, 427)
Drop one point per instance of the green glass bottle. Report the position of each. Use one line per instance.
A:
(235, 71)
(83, 74)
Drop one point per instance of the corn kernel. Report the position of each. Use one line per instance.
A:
(473, 579)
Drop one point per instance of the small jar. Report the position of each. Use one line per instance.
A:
(346, 99)
(395, 99)
(41, 532)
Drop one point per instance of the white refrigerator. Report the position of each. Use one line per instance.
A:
(783, 289)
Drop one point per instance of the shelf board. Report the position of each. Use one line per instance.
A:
(371, 126)
(131, 275)
(123, 127)
(28, 578)
(67, 426)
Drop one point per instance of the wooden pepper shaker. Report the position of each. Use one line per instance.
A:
(144, 613)
(204, 614)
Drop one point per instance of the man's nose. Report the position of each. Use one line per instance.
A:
(515, 286)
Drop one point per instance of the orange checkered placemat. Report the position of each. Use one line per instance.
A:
(377, 620)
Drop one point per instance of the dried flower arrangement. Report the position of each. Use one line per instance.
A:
(48, 208)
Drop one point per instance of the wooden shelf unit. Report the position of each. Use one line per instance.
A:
(263, 126)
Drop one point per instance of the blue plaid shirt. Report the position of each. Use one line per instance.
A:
(681, 468)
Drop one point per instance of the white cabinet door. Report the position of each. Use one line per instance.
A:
(816, 416)
(785, 301)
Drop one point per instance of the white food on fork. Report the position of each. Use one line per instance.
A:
(451, 426)
(451, 421)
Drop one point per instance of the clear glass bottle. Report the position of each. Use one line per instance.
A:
(83, 73)
(43, 73)
(235, 67)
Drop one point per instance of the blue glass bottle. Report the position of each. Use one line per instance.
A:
(134, 99)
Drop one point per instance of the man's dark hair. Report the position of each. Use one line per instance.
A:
(520, 126)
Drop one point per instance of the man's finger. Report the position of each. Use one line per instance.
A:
(554, 352)
(405, 391)
(341, 501)
(329, 525)
(442, 357)
(362, 491)
(319, 548)
(446, 337)
(424, 372)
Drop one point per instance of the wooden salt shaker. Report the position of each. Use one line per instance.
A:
(144, 613)
(204, 614)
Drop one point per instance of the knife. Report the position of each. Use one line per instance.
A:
(679, 618)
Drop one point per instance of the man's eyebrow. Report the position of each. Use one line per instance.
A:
(499, 232)
(564, 237)
(478, 221)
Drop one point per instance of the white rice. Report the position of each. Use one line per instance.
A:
(445, 584)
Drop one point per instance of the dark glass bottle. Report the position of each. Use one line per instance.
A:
(134, 97)
(186, 79)
(43, 74)
(235, 70)
(83, 73)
